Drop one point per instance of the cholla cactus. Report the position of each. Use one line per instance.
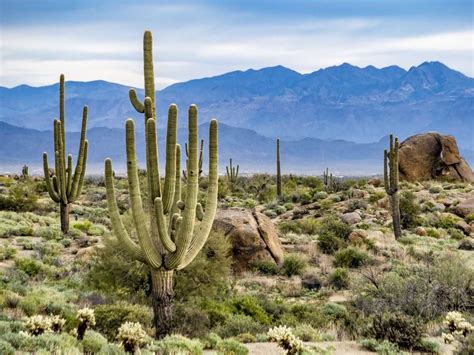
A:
(457, 326)
(57, 323)
(283, 336)
(131, 336)
(38, 324)
(86, 319)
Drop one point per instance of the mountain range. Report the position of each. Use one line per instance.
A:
(337, 115)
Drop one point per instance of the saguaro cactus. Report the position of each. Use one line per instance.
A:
(168, 236)
(24, 172)
(390, 174)
(64, 185)
(278, 169)
(232, 174)
(201, 148)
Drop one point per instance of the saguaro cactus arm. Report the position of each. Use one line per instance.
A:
(49, 184)
(170, 177)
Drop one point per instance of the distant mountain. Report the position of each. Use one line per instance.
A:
(254, 153)
(339, 102)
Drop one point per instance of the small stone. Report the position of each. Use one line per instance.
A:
(421, 231)
(464, 227)
(351, 218)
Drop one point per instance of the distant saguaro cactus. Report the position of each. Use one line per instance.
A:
(168, 237)
(390, 174)
(65, 185)
(24, 172)
(201, 148)
(278, 169)
(232, 174)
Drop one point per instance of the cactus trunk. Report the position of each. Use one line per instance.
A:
(278, 169)
(390, 175)
(162, 294)
(395, 204)
(64, 209)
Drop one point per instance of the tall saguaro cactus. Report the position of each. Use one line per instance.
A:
(201, 149)
(390, 174)
(232, 174)
(169, 237)
(278, 169)
(65, 185)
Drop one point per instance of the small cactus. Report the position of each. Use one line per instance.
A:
(86, 319)
(131, 336)
(232, 174)
(390, 175)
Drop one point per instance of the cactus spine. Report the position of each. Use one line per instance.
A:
(201, 149)
(64, 185)
(278, 169)
(390, 174)
(168, 236)
(232, 174)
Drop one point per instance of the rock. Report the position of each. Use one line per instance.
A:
(357, 236)
(439, 207)
(253, 237)
(466, 244)
(380, 239)
(351, 218)
(465, 207)
(85, 253)
(421, 231)
(432, 155)
(464, 227)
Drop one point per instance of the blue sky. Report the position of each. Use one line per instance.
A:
(89, 40)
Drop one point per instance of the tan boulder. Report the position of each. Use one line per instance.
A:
(465, 208)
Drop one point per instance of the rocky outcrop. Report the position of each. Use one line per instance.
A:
(430, 156)
(465, 208)
(253, 237)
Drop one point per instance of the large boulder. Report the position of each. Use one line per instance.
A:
(432, 155)
(465, 207)
(253, 237)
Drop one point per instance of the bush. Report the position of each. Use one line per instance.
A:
(190, 321)
(93, 342)
(339, 278)
(246, 338)
(21, 197)
(239, 324)
(380, 347)
(265, 267)
(409, 210)
(351, 257)
(249, 306)
(357, 205)
(6, 348)
(306, 332)
(49, 233)
(333, 235)
(109, 317)
(7, 252)
(294, 264)
(231, 347)
(403, 330)
(176, 344)
(31, 267)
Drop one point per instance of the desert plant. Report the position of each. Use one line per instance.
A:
(278, 177)
(171, 242)
(283, 336)
(294, 264)
(131, 336)
(201, 148)
(232, 174)
(24, 172)
(86, 319)
(38, 324)
(64, 186)
(390, 174)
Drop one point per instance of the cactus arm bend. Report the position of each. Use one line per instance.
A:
(204, 228)
(153, 174)
(125, 242)
(186, 226)
(152, 254)
(81, 160)
(69, 176)
(170, 177)
(49, 185)
(162, 229)
(177, 189)
(139, 107)
(83, 172)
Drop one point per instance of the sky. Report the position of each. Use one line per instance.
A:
(90, 40)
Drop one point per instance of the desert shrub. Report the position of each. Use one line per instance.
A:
(306, 332)
(294, 264)
(428, 346)
(433, 233)
(211, 340)
(239, 324)
(397, 328)
(20, 198)
(409, 210)
(131, 336)
(249, 306)
(7, 252)
(93, 342)
(333, 234)
(311, 281)
(109, 317)
(380, 347)
(435, 189)
(376, 196)
(6, 348)
(465, 345)
(83, 226)
(49, 233)
(217, 311)
(51, 342)
(266, 267)
(351, 257)
(176, 344)
(447, 221)
(20, 341)
(246, 338)
(339, 278)
(231, 347)
(190, 321)
(358, 204)
(31, 267)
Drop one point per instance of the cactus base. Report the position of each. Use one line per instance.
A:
(162, 294)
(64, 210)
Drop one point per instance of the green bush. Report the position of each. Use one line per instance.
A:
(31, 267)
(109, 317)
(49, 233)
(239, 324)
(51, 342)
(21, 197)
(409, 210)
(249, 306)
(333, 235)
(306, 332)
(190, 321)
(351, 257)
(294, 264)
(6, 348)
(231, 347)
(211, 340)
(380, 347)
(246, 338)
(447, 221)
(176, 344)
(93, 342)
(265, 267)
(339, 278)
(397, 328)
(7, 252)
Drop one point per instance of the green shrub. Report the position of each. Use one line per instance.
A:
(49, 233)
(176, 344)
(428, 346)
(217, 311)
(333, 235)
(409, 210)
(93, 342)
(265, 267)
(246, 338)
(447, 221)
(83, 226)
(190, 321)
(335, 312)
(211, 340)
(351, 257)
(109, 317)
(339, 278)
(231, 347)
(397, 328)
(31, 267)
(306, 332)
(249, 306)
(358, 204)
(6, 348)
(52, 342)
(21, 197)
(294, 264)
(7, 252)
(376, 196)
(380, 347)
(239, 324)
